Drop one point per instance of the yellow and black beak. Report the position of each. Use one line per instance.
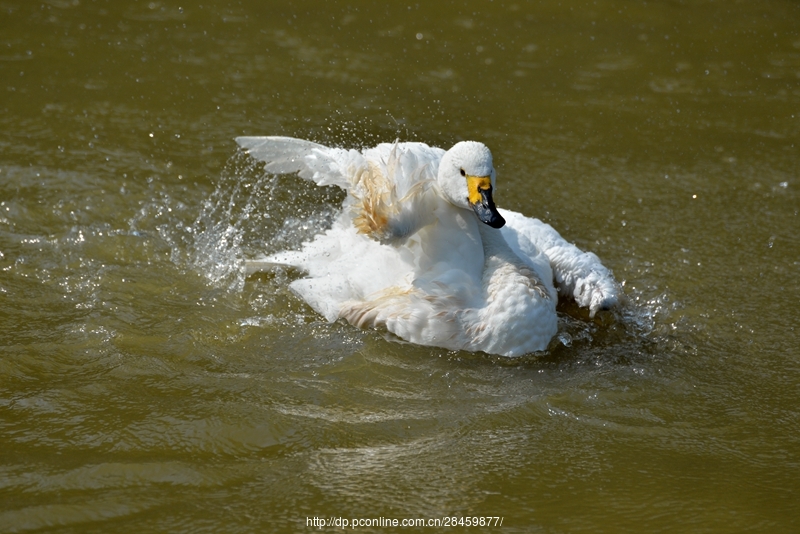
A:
(480, 198)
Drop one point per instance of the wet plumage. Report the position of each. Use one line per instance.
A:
(421, 250)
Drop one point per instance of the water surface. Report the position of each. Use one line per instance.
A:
(147, 384)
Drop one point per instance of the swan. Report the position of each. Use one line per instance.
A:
(421, 250)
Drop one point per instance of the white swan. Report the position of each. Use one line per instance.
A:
(421, 249)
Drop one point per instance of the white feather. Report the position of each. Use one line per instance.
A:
(409, 255)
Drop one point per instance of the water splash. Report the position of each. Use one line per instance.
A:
(251, 213)
(650, 312)
(219, 229)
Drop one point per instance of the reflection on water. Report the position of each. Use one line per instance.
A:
(148, 383)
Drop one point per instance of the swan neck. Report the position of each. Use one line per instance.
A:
(494, 244)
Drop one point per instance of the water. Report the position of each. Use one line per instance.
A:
(147, 383)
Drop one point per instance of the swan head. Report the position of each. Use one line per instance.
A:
(466, 179)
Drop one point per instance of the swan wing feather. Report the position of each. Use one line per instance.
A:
(312, 161)
(576, 273)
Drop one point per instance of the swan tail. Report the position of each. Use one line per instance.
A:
(262, 264)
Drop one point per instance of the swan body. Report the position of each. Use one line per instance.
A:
(421, 249)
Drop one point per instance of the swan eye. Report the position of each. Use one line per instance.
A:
(463, 173)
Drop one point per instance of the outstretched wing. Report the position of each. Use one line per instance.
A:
(388, 186)
(578, 274)
(312, 161)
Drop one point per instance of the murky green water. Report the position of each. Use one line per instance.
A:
(147, 385)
